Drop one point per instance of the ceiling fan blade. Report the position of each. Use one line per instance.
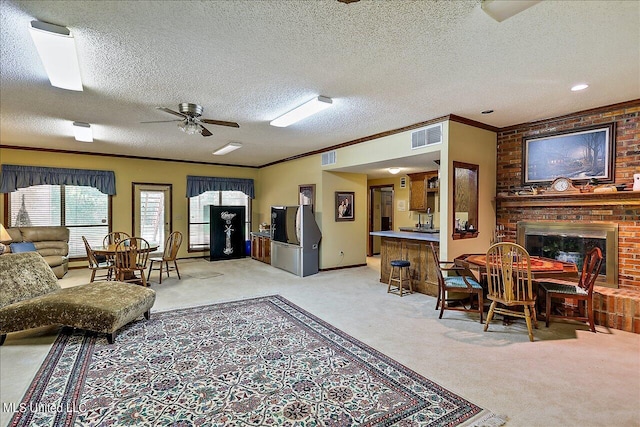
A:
(220, 123)
(204, 131)
(163, 121)
(170, 111)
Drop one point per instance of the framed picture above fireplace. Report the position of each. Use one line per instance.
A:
(579, 154)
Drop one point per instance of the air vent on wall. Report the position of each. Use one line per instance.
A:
(427, 136)
(329, 158)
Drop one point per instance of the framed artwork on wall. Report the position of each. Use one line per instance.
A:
(579, 154)
(307, 195)
(344, 206)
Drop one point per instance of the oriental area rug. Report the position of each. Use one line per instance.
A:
(255, 362)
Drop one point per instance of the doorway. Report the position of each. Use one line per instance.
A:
(380, 215)
(152, 216)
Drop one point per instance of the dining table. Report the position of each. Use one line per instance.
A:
(110, 251)
(541, 267)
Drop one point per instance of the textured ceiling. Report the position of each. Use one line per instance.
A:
(386, 64)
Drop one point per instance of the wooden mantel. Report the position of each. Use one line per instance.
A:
(620, 198)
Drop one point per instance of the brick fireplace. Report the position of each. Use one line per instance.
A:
(616, 308)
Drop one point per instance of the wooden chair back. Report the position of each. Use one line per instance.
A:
(171, 246)
(132, 254)
(509, 273)
(464, 282)
(590, 269)
(114, 237)
(436, 259)
(91, 256)
(498, 234)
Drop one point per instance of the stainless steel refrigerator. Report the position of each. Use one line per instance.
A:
(295, 240)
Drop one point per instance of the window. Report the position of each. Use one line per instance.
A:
(199, 215)
(83, 210)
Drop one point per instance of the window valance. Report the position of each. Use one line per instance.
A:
(197, 185)
(14, 177)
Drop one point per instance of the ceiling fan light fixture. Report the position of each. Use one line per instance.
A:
(504, 9)
(189, 127)
(305, 110)
(57, 50)
(82, 132)
(232, 146)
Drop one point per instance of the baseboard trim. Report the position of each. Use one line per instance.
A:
(343, 267)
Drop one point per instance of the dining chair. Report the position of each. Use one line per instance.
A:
(171, 247)
(498, 234)
(510, 286)
(453, 290)
(578, 291)
(96, 265)
(114, 237)
(131, 257)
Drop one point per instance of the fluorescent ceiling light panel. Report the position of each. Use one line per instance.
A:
(82, 132)
(317, 104)
(227, 149)
(504, 9)
(57, 49)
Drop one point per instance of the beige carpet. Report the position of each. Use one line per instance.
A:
(568, 377)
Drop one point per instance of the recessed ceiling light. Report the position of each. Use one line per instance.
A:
(504, 9)
(394, 171)
(487, 112)
(581, 86)
(227, 148)
(57, 49)
(82, 132)
(303, 111)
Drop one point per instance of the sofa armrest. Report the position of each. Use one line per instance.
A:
(48, 248)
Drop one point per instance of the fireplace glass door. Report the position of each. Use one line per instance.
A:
(570, 242)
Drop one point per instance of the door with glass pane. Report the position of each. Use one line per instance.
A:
(152, 213)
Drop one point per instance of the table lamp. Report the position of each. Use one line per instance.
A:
(4, 237)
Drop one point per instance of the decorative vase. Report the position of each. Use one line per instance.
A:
(636, 182)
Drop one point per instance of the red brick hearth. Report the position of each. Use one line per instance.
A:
(615, 308)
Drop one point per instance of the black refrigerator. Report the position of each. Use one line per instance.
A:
(227, 232)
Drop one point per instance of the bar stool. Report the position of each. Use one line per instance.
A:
(400, 266)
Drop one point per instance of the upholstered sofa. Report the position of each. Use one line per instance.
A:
(31, 297)
(50, 242)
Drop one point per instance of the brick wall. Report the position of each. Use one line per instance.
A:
(627, 162)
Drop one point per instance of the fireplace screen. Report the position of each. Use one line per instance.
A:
(565, 248)
(570, 242)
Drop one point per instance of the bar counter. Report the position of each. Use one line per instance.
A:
(413, 247)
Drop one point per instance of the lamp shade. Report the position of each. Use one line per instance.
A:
(4, 236)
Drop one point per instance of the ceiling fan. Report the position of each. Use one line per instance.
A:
(190, 122)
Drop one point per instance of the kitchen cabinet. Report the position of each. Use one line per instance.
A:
(423, 191)
(261, 247)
